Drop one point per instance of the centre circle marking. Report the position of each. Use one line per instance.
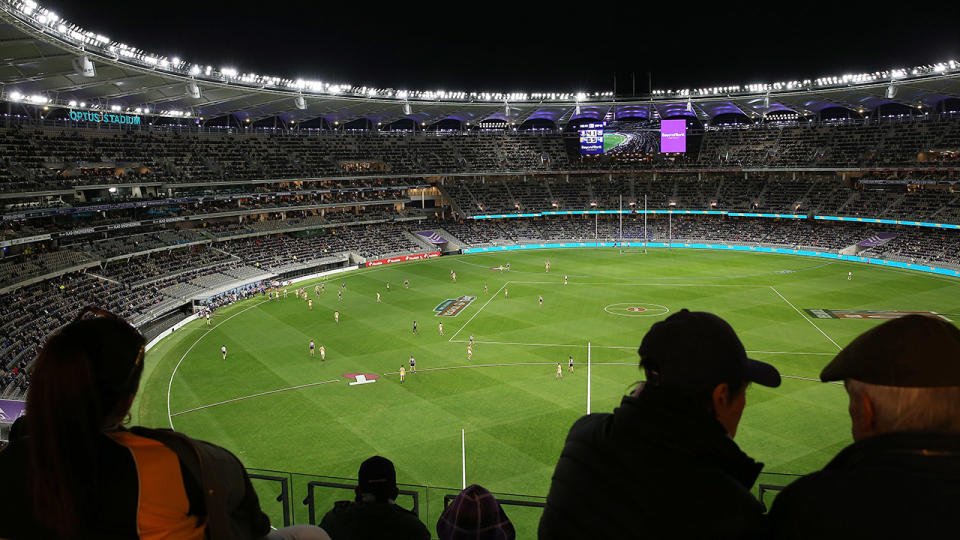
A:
(636, 309)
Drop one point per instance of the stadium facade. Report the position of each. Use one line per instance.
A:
(157, 186)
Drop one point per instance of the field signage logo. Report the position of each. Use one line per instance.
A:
(452, 307)
(361, 378)
(867, 314)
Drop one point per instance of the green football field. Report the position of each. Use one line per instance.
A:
(279, 409)
(611, 140)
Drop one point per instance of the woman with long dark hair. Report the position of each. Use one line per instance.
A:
(78, 473)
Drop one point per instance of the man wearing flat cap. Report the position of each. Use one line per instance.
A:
(664, 464)
(901, 476)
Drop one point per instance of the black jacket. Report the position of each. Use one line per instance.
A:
(655, 468)
(349, 520)
(898, 485)
(217, 487)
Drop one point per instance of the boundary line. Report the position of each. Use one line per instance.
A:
(175, 368)
(806, 319)
(478, 311)
(254, 395)
(632, 348)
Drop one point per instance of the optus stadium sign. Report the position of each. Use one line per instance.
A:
(104, 118)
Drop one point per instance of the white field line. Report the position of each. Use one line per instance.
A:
(638, 284)
(478, 311)
(538, 344)
(809, 379)
(255, 395)
(170, 384)
(806, 318)
(632, 348)
(629, 364)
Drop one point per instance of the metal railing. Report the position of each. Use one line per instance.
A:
(305, 498)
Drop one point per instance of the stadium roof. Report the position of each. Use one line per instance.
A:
(49, 61)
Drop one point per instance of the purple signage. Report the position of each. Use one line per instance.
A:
(877, 240)
(432, 237)
(673, 136)
(10, 410)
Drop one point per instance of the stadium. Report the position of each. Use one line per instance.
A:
(207, 206)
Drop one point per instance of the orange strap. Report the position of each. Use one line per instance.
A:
(163, 505)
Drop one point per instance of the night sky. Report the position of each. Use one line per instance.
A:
(542, 46)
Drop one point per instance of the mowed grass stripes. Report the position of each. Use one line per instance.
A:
(507, 399)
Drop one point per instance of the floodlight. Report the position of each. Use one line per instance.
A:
(300, 103)
(73, 103)
(193, 90)
(83, 66)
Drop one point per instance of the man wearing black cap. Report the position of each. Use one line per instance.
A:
(901, 476)
(664, 464)
(374, 514)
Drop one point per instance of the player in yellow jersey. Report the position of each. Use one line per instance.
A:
(310, 304)
(559, 376)
(323, 353)
(336, 317)
(403, 373)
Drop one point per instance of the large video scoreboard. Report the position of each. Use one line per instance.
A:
(591, 138)
(673, 136)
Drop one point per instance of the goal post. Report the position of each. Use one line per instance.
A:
(624, 244)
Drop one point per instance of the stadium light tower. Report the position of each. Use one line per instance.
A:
(83, 66)
(406, 108)
(891, 91)
(300, 102)
(193, 90)
(689, 105)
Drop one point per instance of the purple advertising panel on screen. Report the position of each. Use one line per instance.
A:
(673, 136)
(10, 410)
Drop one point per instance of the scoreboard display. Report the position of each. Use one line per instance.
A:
(591, 138)
(673, 136)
